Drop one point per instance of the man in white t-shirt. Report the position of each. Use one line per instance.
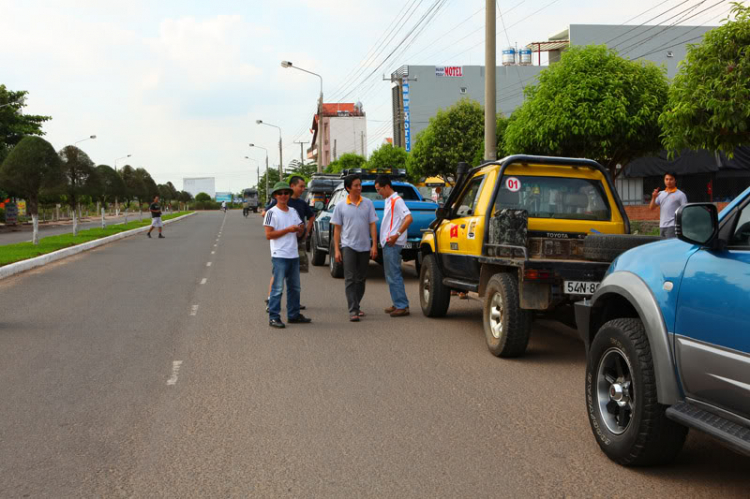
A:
(396, 220)
(668, 201)
(283, 226)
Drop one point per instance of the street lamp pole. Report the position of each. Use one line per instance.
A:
(281, 160)
(118, 159)
(83, 140)
(288, 64)
(259, 147)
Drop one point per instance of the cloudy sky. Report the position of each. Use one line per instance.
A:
(179, 84)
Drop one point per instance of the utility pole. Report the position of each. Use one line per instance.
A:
(257, 183)
(490, 86)
(281, 160)
(301, 152)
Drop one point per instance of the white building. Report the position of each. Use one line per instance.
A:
(196, 185)
(342, 128)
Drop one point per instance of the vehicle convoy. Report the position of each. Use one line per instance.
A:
(667, 336)
(250, 201)
(422, 211)
(530, 235)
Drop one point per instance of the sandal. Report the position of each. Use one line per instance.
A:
(361, 314)
(354, 318)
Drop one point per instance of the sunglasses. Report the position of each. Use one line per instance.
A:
(284, 193)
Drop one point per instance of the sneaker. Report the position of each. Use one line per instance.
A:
(302, 307)
(161, 237)
(268, 309)
(390, 309)
(276, 323)
(400, 312)
(148, 234)
(300, 319)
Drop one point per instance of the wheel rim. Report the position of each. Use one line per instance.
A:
(497, 312)
(615, 391)
(426, 285)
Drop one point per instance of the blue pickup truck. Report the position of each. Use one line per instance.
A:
(422, 211)
(667, 336)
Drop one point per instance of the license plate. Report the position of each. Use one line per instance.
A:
(580, 287)
(411, 245)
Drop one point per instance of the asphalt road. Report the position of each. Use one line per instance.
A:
(139, 370)
(24, 233)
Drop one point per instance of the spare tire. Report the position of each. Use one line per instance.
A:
(607, 247)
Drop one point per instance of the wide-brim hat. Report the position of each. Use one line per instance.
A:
(280, 186)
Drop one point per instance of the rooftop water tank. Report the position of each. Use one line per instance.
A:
(509, 56)
(524, 56)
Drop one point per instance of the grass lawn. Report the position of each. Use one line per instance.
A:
(23, 251)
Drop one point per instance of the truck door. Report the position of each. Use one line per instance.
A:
(460, 237)
(712, 323)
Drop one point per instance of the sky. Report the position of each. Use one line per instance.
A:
(179, 85)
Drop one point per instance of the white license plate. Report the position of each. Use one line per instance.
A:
(411, 245)
(580, 287)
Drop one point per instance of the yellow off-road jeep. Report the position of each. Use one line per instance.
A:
(529, 234)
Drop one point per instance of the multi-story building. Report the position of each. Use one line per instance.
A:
(340, 128)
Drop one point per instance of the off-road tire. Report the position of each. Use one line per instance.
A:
(649, 438)
(318, 257)
(507, 326)
(607, 247)
(434, 296)
(337, 269)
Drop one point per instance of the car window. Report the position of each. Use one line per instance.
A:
(466, 206)
(741, 236)
(334, 199)
(405, 191)
(556, 197)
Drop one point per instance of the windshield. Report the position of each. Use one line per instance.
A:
(555, 197)
(405, 191)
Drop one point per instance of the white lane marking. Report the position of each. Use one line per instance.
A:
(208, 264)
(203, 281)
(175, 371)
(215, 245)
(194, 310)
(213, 252)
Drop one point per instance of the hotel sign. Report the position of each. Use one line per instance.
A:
(449, 71)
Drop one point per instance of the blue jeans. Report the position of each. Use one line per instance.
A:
(284, 269)
(392, 266)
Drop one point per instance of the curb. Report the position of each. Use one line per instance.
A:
(39, 261)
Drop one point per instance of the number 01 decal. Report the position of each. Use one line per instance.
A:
(513, 184)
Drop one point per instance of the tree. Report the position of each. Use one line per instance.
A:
(305, 171)
(32, 165)
(453, 135)
(133, 183)
(80, 174)
(273, 177)
(150, 189)
(709, 100)
(202, 197)
(387, 157)
(14, 125)
(347, 161)
(592, 104)
(111, 185)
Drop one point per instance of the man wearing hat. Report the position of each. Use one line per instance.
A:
(283, 225)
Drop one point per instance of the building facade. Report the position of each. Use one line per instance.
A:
(341, 128)
(196, 185)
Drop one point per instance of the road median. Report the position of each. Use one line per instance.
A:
(14, 259)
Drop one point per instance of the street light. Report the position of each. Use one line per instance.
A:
(288, 64)
(21, 100)
(259, 147)
(82, 140)
(258, 170)
(281, 161)
(118, 159)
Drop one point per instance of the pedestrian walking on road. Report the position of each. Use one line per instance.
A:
(396, 221)
(355, 242)
(668, 200)
(155, 218)
(283, 225)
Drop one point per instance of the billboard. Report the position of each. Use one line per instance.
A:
(224, 196)
(407, 116)
(197, 185)
(449, 71)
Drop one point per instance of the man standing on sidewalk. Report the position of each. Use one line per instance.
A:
(396, 220)
(155, 218)
(283, 226)
(668, 200)
(355, 241)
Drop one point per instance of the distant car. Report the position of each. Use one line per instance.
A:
(423, 213)
(667, 335)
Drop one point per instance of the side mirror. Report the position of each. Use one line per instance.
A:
(697, 223)
(441, 212)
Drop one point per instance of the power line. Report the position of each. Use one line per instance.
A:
(645, 22)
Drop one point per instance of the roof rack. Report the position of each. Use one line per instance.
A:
(373, 173)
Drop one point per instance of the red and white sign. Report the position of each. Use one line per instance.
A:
(449, 71)
(513, 184)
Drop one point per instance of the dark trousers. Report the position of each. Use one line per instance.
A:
(355, 275)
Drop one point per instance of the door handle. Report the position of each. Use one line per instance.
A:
(463, 226)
